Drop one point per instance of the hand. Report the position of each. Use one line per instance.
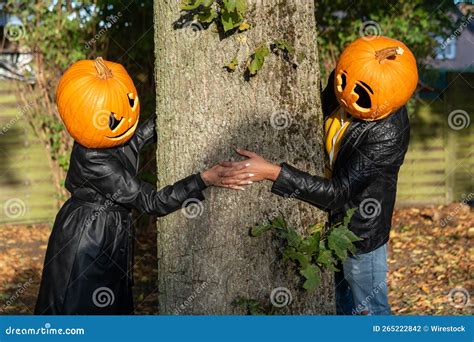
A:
(213, 176)
(253, 169)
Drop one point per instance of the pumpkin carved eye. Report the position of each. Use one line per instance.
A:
(113, 122)
(131, 100)
(341, 81)
(344, 81)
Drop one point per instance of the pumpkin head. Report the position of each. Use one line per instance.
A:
(374, 77)
(98, 103)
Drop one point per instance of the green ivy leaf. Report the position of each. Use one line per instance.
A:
(260, 229)
(318, 227)
(340, 240)
(292, 254)
(253, 306)
(326, 259)
(348, 216)
(229, 5)
(279, 223)
(258, 58)
(241, 6)
(206, 15)
(231, 20)
(291, 236)
(284, 46)
(207, 3)
(312, 274)
(310, 245)
(189, 5)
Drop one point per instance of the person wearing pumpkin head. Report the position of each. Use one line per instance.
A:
(88, 263)
(366, 137)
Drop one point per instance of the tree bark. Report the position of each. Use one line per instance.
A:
(208, 261)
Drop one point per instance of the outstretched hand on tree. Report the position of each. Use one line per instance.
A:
(213, 177)
(245, 172)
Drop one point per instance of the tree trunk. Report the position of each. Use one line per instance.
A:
(206, 257)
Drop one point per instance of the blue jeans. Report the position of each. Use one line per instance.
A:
(361, 286)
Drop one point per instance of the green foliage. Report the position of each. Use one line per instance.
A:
(61, 33)
(229, 17)
(257, 59)
(251, 306)
(229, 14)
(284, 46)
(315, 251)
(56, 33)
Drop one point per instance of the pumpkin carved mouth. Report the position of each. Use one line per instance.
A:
(129, 130)
(364, 98)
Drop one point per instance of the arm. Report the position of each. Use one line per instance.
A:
(108, 176)
(325, 193)
(376, 156)
(146, 133)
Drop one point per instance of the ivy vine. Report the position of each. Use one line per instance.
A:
(229, 17)
(316, 251)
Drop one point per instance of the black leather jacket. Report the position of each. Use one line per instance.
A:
(88, 263)
(364, 176)
(96, 175)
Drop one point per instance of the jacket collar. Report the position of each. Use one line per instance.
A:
(354, 134)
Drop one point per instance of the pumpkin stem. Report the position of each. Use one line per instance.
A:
(388, 52)
(102, 70)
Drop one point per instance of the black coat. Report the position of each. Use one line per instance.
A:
(88, 264)
(364, 175)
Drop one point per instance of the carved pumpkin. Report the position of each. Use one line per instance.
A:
(98, 103)
(374, 77)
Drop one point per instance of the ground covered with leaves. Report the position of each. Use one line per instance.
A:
(430, 258)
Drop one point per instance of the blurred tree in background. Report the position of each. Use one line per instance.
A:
(417, 23)
(59, 33)
(54, 33)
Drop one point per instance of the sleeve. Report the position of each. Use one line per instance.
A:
(109, 177)
(146, 133)
(373, 158)
(329, 101)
